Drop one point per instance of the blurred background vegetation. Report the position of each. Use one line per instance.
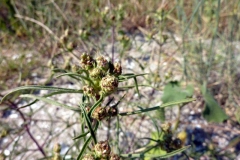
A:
(205, 33)
(38, 25)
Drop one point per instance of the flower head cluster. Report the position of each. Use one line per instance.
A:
(102, 150)
(102, 74)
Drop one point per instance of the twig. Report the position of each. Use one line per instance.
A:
(13, 106)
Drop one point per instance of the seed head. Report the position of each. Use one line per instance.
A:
(99, 113)
(114, 157)
(117, 69)
(102, 63)
(109, 84)
(102, 149)
(112, 111)
(71, 45)
(88, 157)
(86, 61)
(96, 73)
(57, 148)
(176, 144)
(89, 91)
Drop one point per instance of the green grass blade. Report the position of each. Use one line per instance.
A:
(50, 101)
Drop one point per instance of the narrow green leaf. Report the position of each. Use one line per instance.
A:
(33, 87)
(74, 144)
(130, 75)
(178, 102)
(70, 75)
(58, 70)
(50, 101)
(84, 134)
(89, 124)
(95, 106)
(49, 95)
(80, 136)
(140, 85)
(175, 152)
(136, 85)
(75, 74)
(84, 148)
(157, 107)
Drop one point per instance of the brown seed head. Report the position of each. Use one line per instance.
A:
(117, 69)
(114, 157)
(102, 149)
(96, 73)
(109, 84)
(99, 113)
(86, 61)
(112, 111)
(88, 157)
(102, 63)
(89, 91)
(176, 144)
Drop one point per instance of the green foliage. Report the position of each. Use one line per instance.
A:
(90, 110)
(212, 111)
(156, 148)
(81, 23)
(173, 92)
